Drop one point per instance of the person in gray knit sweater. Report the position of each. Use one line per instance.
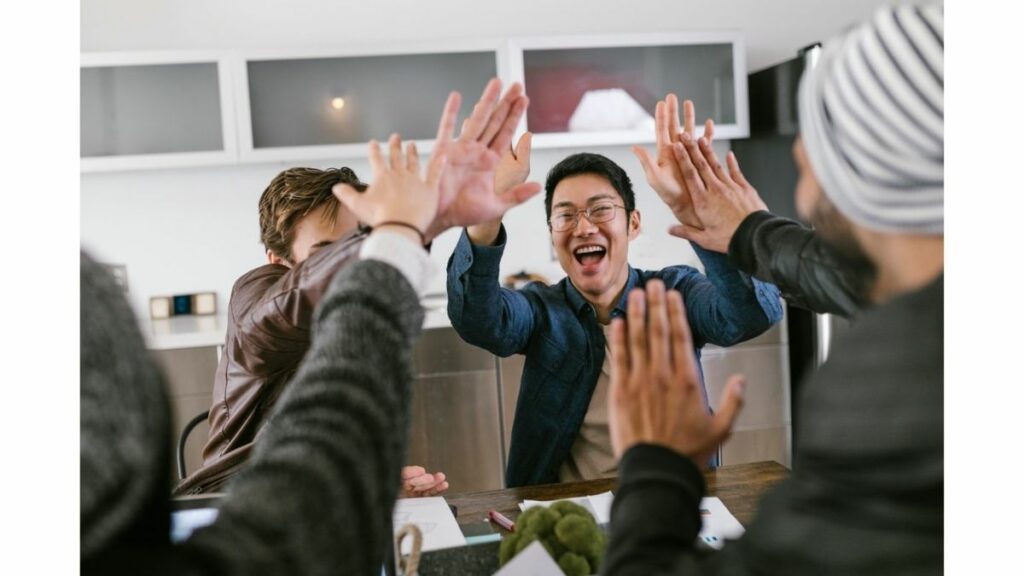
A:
(311, 501)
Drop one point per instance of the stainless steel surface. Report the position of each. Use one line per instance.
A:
(824, 338)
(511, 369)
(455, 412)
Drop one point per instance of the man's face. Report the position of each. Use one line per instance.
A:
(314, 231)
(832, 227)
(593, 255)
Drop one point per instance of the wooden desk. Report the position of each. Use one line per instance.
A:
(740, 487)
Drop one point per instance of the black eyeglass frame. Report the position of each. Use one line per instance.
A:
(586, 214)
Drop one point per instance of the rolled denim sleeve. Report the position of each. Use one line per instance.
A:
(481, 311)
(728, 306)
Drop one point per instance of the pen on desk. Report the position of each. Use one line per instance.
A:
(501, 520)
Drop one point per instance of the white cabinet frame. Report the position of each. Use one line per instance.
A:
(248, 153)
(739, 129)
(229, 153)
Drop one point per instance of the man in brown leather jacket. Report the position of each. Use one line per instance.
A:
(309, 236)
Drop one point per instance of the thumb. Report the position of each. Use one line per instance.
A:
(685, 232)
(729, 406)
(645, 159)
(520, 193)
(347, 195)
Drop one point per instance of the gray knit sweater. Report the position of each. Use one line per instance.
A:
(318, 494)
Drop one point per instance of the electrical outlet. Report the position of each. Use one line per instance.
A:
(120, 274)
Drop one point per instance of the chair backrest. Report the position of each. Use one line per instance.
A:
(195, 421)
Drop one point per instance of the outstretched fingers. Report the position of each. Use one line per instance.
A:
(657, 328)
(662, 133)
(446, 127)
(475, 125)
(620, 356)
(524, 147)
(412, 158)
(684, 363)
(502, 115)
(636, 321)
(377, 163)
(709, 130)
(395, 151)
(712, 159)
(503, 139)
(689, 117)
(695, 158)
(691, 176)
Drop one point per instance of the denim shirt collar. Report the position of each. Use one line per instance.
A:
(579, 303)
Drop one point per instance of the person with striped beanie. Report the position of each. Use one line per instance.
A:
(865, 495)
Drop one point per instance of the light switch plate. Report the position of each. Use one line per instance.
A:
(159, 308)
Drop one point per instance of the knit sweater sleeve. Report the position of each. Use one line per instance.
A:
(318, 495)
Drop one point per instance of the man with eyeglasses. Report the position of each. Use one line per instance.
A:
(561, 429)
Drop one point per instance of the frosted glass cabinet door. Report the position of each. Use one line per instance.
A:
(606, 94)
(150, 109)
(332, 101)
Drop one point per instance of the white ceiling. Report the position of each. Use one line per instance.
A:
(774, 29)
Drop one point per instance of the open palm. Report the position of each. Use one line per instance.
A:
(468, 195)
(662, 171)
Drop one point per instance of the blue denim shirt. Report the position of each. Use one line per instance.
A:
(557, 329)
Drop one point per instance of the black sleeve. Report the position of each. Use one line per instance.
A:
(792, 257)
(655, 515)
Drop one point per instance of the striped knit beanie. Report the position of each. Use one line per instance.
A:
(871, 119)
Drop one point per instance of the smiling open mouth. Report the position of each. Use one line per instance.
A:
(587, 255)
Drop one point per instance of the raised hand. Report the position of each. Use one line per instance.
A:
(399, 194)
(722, 200)
(468, 194)
(514, 166)
(513, 169)
(662, 171)
(655, 395)
(416, 481)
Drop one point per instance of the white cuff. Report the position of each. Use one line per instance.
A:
(399, 251)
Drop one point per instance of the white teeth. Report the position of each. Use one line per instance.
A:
(589, 249)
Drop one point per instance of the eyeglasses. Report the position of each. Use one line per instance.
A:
(566, 219)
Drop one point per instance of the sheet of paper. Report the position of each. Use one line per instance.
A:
(184, 522)
(717, 523)
(600, 505)
(532, 561)
(434, 519)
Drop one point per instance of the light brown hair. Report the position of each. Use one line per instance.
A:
(294, 193)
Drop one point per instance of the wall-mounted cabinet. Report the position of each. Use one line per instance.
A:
(174, 109)
(155, 111)
(297, 106)
(601, 90)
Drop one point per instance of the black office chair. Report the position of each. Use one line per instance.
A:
(184, 438)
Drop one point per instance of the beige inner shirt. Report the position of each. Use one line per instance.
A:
(591, 455)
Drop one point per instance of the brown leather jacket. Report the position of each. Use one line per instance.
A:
(270, 317)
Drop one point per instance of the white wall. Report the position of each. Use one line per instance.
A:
(196, 229)
(774, 29)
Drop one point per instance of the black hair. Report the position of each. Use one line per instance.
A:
(590, 163)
